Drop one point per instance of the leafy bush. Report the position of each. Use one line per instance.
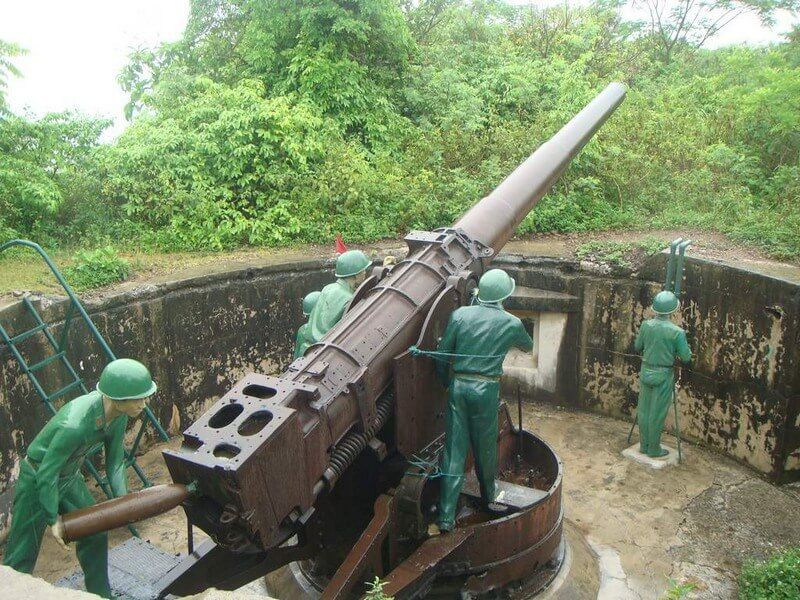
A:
(614, 253)
(777, 578)
(96, 268)
(6, 233)
(375, 591)
(678, 591)
(43, 165)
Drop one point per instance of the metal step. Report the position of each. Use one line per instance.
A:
(509, 494)
(134, 567)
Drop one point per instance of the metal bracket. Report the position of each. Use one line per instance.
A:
(463, 283)
(361, 291)
(677, 255)
(358, 388)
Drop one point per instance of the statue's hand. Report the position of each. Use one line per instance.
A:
(57, 529)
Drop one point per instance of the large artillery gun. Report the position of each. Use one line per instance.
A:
(276, 472)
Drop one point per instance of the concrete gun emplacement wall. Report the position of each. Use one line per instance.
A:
(263, 455)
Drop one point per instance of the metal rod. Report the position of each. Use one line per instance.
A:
(633, 425)
(189, 536)
(519, 416)
(677, 427)
(679, 266)
(670, 276)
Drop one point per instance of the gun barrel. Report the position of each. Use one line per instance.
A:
(124, 510)
(494, 219)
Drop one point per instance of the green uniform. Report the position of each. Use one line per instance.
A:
(661, 342)
(50, 483)
(328, 310)
(303, 340)
(474, 392)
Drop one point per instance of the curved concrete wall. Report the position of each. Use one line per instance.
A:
(741, 394)
(200, 335)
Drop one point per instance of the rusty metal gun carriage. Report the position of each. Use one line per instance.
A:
(330, 465)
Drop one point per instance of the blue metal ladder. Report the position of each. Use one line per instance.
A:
(77, 385)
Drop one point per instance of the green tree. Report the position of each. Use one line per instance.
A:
(689, 24)
(8, 52)
(46, 164)
(273, 122)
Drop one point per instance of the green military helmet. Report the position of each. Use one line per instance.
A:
(351, 263)
(665, 303)
(495, 285)
(126, 379)
(309, 302)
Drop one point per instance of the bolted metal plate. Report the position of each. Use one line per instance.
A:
(134, 567)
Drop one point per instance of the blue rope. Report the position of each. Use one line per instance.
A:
(425, 466)
(446, 356)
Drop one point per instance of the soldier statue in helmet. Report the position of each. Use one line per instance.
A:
(476, 341)
(303, 339)
(50, 481)
(351, 270)
(661, 342)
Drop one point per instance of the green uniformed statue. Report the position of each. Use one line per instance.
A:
(661, 342)
(351, 270)
(303, 339)
(477, 339)
(50, 481)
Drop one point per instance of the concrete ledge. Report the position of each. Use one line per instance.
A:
(537, 300)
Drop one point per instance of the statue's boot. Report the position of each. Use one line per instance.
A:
(660, 453)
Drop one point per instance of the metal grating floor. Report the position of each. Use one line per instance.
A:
(133, 568)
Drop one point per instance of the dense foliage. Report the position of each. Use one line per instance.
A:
(49, 183)
(96, 268)
(279, 121)
(775, 579)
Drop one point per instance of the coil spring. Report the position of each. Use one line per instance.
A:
(353, 443)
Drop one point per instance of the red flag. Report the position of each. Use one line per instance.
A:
(340, 247)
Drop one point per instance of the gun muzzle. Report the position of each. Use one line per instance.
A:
(124, 510)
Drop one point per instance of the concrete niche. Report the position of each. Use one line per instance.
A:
(546, 315)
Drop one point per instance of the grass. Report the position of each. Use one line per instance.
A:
(678, 591)
(26, 271)
(618, 253)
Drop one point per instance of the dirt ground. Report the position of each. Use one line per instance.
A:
(27, 273)
(696, 522)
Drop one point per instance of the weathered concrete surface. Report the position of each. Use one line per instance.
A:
(201, 334)
(198, 336)
(695, 522)
(741, 394)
